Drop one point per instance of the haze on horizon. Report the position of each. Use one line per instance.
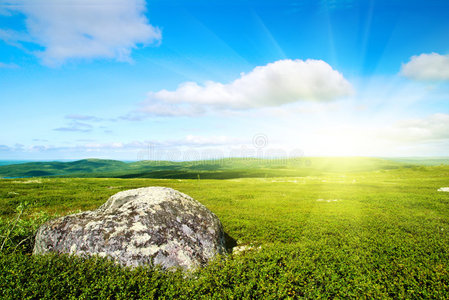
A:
(119, 79)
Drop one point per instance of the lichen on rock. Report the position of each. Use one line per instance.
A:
(152, 225)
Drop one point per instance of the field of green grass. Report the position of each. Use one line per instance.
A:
(360, 228)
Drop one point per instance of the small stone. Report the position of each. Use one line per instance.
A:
(239, 250)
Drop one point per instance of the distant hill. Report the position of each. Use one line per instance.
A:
(206, 169)
(56, 168)
(12, 162)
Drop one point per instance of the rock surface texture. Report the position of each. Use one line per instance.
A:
(152, 225)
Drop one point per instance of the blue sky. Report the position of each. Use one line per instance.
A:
(113, 79)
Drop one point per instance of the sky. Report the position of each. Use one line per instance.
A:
(183, 80)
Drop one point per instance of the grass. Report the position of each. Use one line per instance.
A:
(385, 236)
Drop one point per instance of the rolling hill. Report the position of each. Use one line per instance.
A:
(206, 169)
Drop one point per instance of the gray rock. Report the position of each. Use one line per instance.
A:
(152, 225)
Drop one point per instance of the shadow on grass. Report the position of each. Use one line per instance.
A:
(230, 242)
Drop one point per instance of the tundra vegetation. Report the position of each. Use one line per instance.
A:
(315, 228)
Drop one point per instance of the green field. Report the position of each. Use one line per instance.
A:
(322, 228)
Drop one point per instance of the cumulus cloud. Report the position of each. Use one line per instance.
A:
(275, 84)
(431, 66)
(82, 28)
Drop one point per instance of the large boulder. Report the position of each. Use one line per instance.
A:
(152, 225)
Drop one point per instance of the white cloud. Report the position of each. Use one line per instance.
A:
(421, 136)
(190, 147)
(433, 128)
(82, 117)
(196, 140)
(82, 28)
(431, 66)
(76, 126)
(316, 135)
(14, 38)
(171, 110)
(275, 84)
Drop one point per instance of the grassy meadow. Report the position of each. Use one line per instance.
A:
(357, 228)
